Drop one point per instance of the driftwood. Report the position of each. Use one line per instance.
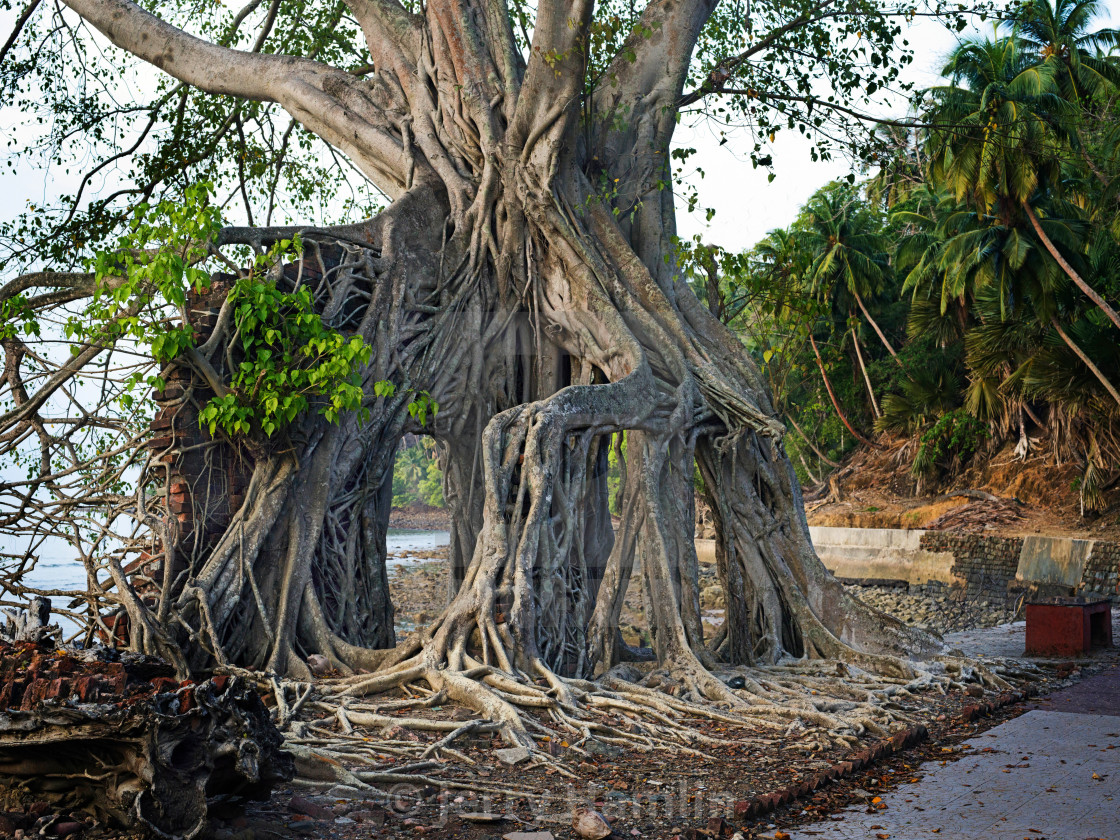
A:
(30, 625)
(982, 495)
(978, 516)
(94, 738)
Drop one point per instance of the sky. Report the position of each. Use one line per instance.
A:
(746, 205)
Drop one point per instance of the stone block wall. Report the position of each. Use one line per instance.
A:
(976, 567)
(984, 566)
(1102, 571)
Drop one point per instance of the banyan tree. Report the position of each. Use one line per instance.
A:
(524, 275)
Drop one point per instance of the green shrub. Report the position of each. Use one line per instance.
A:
(949, 442)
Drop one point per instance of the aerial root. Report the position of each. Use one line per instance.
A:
(819, 704)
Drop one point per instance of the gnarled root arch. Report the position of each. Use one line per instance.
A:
(544, 319)
(531, 607)
(542, 592)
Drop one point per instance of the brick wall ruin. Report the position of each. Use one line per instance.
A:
(206, 479)
(973, 566)
(1102, 571)
(984, 566)
(992, 568)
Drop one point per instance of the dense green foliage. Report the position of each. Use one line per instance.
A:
(416, 475)
(289, 360)
(964, 293)
(290, 357)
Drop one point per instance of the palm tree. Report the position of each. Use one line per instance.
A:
(782, 261)
(848, 250)
(941, 302)
(1002, 126)
(1058, 35)
(900, 166)
(997, 126)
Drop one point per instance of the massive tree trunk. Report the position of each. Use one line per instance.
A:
(545, 317)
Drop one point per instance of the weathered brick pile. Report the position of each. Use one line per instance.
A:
(30, 675)
(100, 740)
(206, 479)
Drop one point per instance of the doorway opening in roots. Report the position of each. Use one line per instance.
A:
(713, 598)
(417, 540)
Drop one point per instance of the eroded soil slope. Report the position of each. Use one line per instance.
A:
(1006, 494)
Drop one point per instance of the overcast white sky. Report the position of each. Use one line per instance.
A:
(746, 205)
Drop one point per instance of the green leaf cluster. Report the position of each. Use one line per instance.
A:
(290, 359)
(416, 475)
(955, 435)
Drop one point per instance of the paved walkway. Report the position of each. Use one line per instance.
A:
(1053, 773)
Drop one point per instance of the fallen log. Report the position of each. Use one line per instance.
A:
(98, 739)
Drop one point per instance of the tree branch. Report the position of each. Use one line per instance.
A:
(192, 60)
(28, 10)
(66, 372)
(330, 103)
(555, 73)
(654, 79)
(45, 279)
(814, 101)
(392, 34)
(726, 67)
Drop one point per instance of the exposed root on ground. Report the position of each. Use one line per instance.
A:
(813, 704)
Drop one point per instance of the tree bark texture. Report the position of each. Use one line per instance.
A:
(546, 317)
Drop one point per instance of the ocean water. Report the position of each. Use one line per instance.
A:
(60, 572)
(406, 539)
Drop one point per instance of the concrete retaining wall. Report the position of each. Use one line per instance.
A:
(1052, 560)
(706, 551)
(881, 554)
(972, 565)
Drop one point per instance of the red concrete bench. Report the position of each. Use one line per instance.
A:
(1068, 627)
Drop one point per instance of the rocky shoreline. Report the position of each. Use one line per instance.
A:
(932, 611)
(420, 591)
(420, 517)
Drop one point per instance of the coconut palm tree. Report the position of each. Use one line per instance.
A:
(1002, 127)
(939, 304)
(1057, 34)
(998, 126)
(849, 257)
(783, 262)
